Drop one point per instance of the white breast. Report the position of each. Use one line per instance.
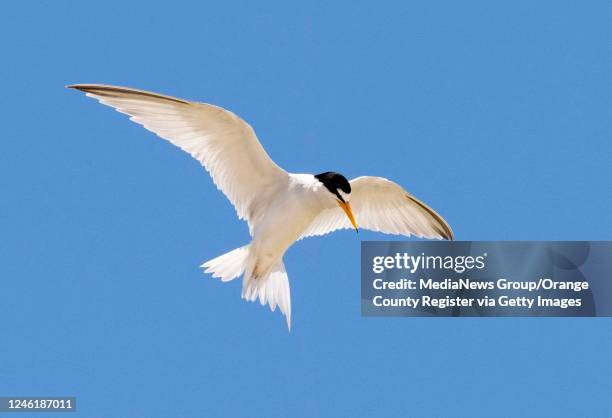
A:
(289, 214)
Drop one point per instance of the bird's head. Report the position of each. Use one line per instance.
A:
(340, 190)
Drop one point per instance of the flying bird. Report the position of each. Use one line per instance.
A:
(279, 207)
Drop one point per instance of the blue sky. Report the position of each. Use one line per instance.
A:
(497, 115)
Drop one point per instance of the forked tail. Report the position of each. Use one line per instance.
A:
(272, 289)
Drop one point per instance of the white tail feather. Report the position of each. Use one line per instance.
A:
(272, 289)
(228, 266)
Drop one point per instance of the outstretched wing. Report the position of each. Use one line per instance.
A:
(222, 142)
(382, 205)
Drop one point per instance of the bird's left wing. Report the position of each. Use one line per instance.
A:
(222, 142)
(382, 205)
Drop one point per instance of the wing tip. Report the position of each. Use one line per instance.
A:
(73, 87)
(82, 87)
(450, 235)
(108, 90)
(442, 227)
(85, 88)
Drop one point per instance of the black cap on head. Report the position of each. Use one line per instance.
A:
(334, 182)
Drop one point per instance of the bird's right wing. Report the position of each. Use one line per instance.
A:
(222, 142)
(384, 206)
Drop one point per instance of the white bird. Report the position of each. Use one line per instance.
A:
(279, 207)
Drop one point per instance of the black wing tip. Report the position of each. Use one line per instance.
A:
(443, 228)
(446, 232)
(83, 86)
(451, 235)
(87, 88)
(108, 90)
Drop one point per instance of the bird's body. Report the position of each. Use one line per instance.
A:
(290, 211)
(279, 207)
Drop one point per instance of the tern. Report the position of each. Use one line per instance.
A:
(279, 207)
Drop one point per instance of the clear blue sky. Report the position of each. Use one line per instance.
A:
(499, 116)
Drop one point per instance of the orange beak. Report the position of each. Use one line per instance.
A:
(349, 213)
